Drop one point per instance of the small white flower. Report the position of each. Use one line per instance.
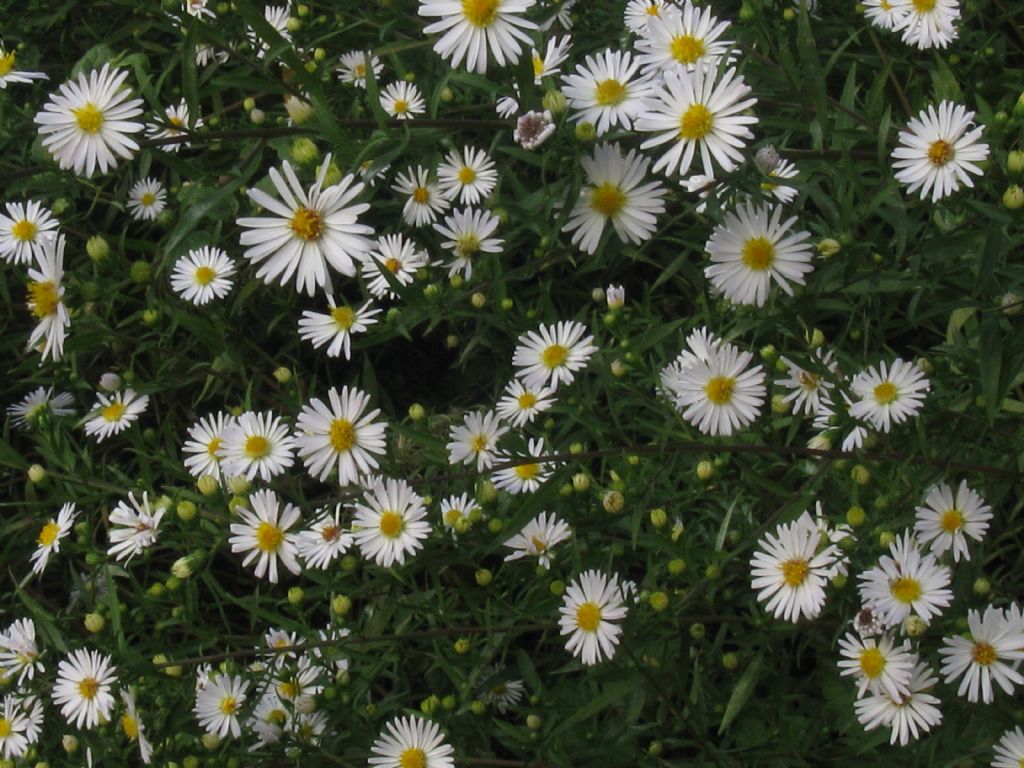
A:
(336, 328)
(590, 612)
(911, 715)
(343, 436)
(202, 275)
(926, 23)
(476, 439)
(218, 703)
(521, 404)
(13, 725)
(990, 654)
(23, 229)
(878, 666)
(325, 540)
(37, 403)
(83, 688)
(177, 123)
(8, 74)
(472, 29)
(553, 354)
(907, 581)
(1010, 750)
(469, 175)
(424, 201)
(391, 524)
(114, 414)
(256, 444)
(411, 742)
(810, 389)
(525, 476)
(352, 67)
(133, 728)
(399, 258)
(19, 654)
(946, 522)
(469, 232)
(402, 100)
(277, 17)
(263, 535)
(682, 38)
(608, 91)
(46, 300)
(133, 530)
(537, 538)
(205, 439)
(456, 508)
(50, 535)
(533, 129)
(889, 395)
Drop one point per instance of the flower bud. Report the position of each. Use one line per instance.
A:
(581, 482)
(94, 622)
(462, 646)
(295, 595)
(982, 586)
(257, 116)
(697, 631)
(483, 577)
(658, 601)
(820, 443)
(417, 412)
(478, 300)
(619, 369)
(817, 338)
(705, 470)
(915, 626)
(861, 475)
(249, 104)
(211, 741)
(557, 587)
(534, 723)
(676, 566)
(486, 493)
(207, 485)
(140, 272)
(36, 474)
(886, 538)
(730, 660)
(659, 518)
(97, 247)
(238, 485)
(186, 510)
(70, 743)
(341, 605)
(1015, 162)
(855, 516)
(1013, 197)
(477, 707)
(298, 110)
(613, 502)
(305, 151)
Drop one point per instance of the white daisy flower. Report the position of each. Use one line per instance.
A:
(473, 28)
(344, 435)
(475, 440)
(147, 199)
(714, 388)
(939, 150)
(878, 667)
(402, 100)
(86, 126)
(533, 129)
(83, 689)
(537, 538)
(23, 229)
(550, 62)
(424, 201)
(206, 54)
(1010, 750)
(32, 708)
(399, 257)
(810, 390)
(469, 175)
(590, 612)
(753, 248)
(268, 720)
(911, 715)
(553, 354)
(867, 622)
(263, 535)
(37, 403)
(391, 524)
(411, 742)
(615, 296)
(298, 685)
(791, 568)
(50, 536)
(308, 232)
(616, 193)
(133, 530)
(19, 654)
(177, 123)
(46, 300)
(883, 13)
(907, 582)
(325, 540)
(927, 23)
(202, 275)
(562, 15)
(198, 9)
(13, 724)
(502, 694)
(133, 728)
(640, 12)
(607, 90)
(205, 439)
(469, 234)
(683, 38)
(524, 477)
(113, 414)
(337, 326)
(694, 111)
(507, 106)
(945, 522)
(8, 74)
(457, 508)
(521, 404)
(277, 17)
(256, 444)
(352, 67)
(779, 170)
(218, 703)
(992, 653)
(889, 395)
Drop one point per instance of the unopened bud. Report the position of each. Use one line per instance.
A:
(613, 502)
(581, 482)
(555, 102)
(36, 474)
(238, 485)
(705, 470)
(207, 485)
(659, 517)
(417, 412)
(1013, 197)
(97, 247)
(94, 622)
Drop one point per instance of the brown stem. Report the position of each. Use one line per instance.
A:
(900, 93)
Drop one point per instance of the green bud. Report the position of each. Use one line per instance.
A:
(257, 116)
(447, 95)
(207, 485)
(341, 605)
(982, 586)
(507, 304)
(697, 631)
(295, 595)
(712, 572)
(486, 493)
(495, 525)
(36, 474)
(477, 707)
(239, 484)
(581, 482)
(557, 587)
(829, 247)
(676, 566)
(613, 502)
(659, 517)
(861, 475)
(705, 470)
(483, 577)
(94, 622)
(282, 375)
(658, 601)
(1015, 162)
(586, 132)
(1013, 197)
(730, 661)
(855, 516)
(886, 538)
(915, 626)
(534, 723)
(293, 24)
(305, 151)
(97, 247)
(478, 300)
(249, 104)
(462, 646)
(555, 102)
(186, 510)
(140, 272)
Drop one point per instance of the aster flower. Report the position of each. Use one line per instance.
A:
(23, 229)
(202, 275)
(607, 90)
(777, 171)
(883, 14)
(939, 150)
(218, 703)
(207, 54)
(198, 9)
(399, 257)
(945, 522)
(352, 67)
(454, 509)
(549, 63)
(391, 524)
(19, 654)
(113, 414)
(533, 129)
(13, 724)
(308, 232)
(83, 689)
(926, 23)
(263, 535)
(590, 612)
(525, 476)
(521, 404)
(411, 741)
(616, 194)
(682, 38)
(325, 540)
(277, 17)
(537, 538)
(907, 581)
(990, 654)
(472, 29)
(469, 234)
(402, 100)
(8, 73)
(336, 328)
(50, 536)
(38, 402)
(133, 528)
(639, 12)
(177, 123)
(698, 111)
(205, 439)
(469, 175)
(476, 439)
(909, 716)
(502, 694)
(344, 435)
(46, 300)
(424, 201)
(553, 354)
(889, 395)
(791, 568)
(810, 390)
(879, 667)
(1010, 749)
(256, 444)
(87, 125)
(147, 200)
(133, 728)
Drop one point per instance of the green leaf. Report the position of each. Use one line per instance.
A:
(741, 693)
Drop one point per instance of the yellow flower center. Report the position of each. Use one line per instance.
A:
(24, 230)
(413, 757)
(696, 123)
(466, 245)
(391, 524)
(88, 117)
(479, 13)
(130, 726)
(719, 389)
(288, 689)
(392, 265)
(554, 356)
(924, 6)
(344, 317)
(228, 705)
(588, 616)
(906, 590)
(269, 537)
(527, 400)
(872, 662)
(538, 65)
(401, 106)
(479, 443)
(176, 121)
(686, 49)
(609, 92)
(43, 298)
(330, 533)
(48, 534)
(886, 392)
(539, 545)
(940, 152)
(6, 62)
(885, 5)
(278, 716)
(256, 447)
(204, 275)
(305, 223)
(951, 520)
(983, 653)
(607, 199)
(794, 571)
(421, 195)
(809, 381)
(527, 471)
(113, 412)
(452, 516)
(5, 724)
(343, 435)
(213, 446)
(467, 175)
(360, 70)
(758, 253)
(88, 688)
(147, 199)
